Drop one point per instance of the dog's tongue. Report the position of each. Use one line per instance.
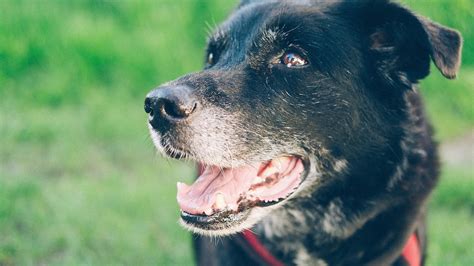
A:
(219, 189)
(230, 183)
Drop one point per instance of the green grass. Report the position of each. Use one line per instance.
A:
(450, 237)
(450, 102)
(80, 182)
(101, 220)
(451, 216)
(76, 192)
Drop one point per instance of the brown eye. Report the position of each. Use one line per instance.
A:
(293, 60)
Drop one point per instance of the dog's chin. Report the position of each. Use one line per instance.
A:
(225, 223)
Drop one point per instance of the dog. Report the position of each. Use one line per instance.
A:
(310, 133)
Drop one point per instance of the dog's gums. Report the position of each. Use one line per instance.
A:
(230, 189)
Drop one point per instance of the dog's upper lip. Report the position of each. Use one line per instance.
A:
(218, 189)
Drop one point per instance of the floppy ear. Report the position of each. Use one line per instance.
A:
(446, 45)
(403, 43)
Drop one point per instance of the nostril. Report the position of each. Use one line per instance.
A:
(148, 108)
(174, 110)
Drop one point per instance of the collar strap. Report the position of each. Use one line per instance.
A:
(411, 252)
(259, 249)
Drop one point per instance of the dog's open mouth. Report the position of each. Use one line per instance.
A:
(227, 192)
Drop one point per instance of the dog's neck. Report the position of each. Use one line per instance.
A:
(332, 233)
(336, 224)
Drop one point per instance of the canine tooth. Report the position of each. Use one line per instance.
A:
(208, 211)
(220, 201)
(279, 162)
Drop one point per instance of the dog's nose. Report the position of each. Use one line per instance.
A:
(172, 103)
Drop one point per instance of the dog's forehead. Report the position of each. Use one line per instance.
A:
(253, 18)
(261, 20)
(246, 21)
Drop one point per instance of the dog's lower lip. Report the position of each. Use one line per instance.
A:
(242, 208)
(216, 221)
(195, 218)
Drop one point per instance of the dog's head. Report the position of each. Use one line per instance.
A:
(294, 94)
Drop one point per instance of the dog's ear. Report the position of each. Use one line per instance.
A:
(446, 45)
(403, 42)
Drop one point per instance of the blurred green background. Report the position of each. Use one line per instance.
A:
(80, 182)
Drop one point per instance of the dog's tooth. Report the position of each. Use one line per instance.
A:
(209, 211)
(280, 162)
(257, 180)
(275, 166)
(268, 171)
(220, 201)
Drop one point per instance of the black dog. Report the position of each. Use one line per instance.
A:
(309, 130)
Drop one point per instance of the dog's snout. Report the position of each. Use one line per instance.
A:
(172, 103)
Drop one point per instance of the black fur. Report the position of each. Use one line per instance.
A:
(353, 114)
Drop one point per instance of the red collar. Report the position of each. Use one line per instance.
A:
(411, 252)
(262, 252)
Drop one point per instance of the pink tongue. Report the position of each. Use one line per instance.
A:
(232, 183)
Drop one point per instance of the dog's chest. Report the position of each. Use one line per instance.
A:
(288, 234)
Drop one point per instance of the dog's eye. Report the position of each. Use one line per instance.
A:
(291, 59)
